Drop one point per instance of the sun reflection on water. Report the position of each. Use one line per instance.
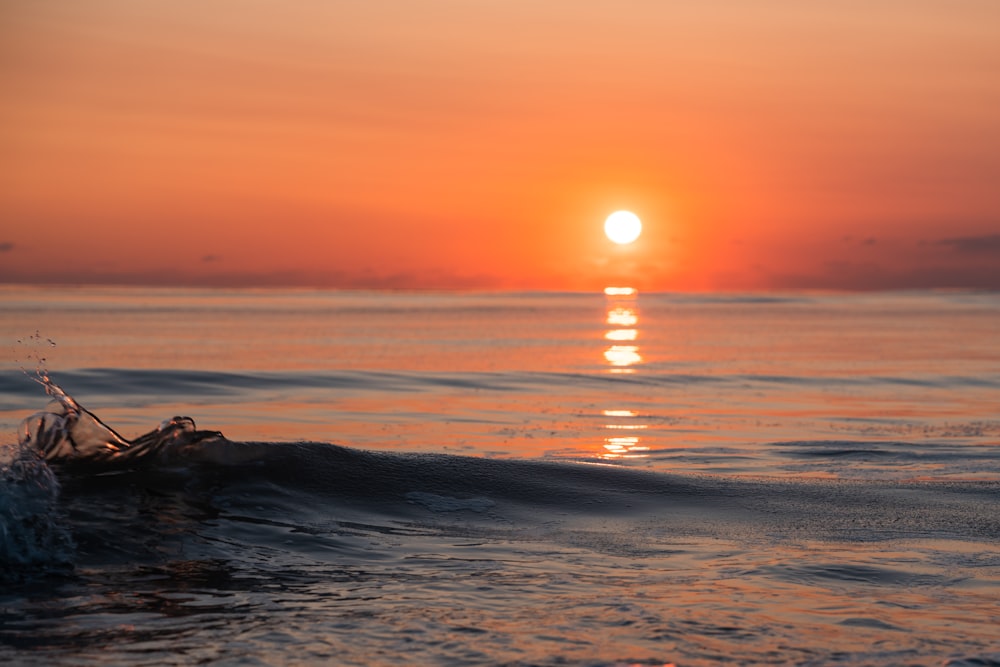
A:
(622, 317)
(622, 334)
(624, 439)
(622, 357)
(626, 442)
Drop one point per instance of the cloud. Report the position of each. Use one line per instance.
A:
(211, 258)
(365, 279)
(987, 244)
(6, 246)
(865, 276)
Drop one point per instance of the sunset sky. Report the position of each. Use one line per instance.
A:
(481, 143)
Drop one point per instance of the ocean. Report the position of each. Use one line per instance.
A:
(310, 477)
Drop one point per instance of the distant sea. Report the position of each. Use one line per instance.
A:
(607, 479)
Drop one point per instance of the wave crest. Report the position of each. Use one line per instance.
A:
(67, 433)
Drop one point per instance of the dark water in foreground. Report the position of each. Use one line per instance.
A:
(807, 480)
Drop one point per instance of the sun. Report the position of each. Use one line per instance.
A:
(623, 227)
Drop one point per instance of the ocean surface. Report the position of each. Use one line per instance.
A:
(298, 477)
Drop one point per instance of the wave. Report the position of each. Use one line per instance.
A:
(154, 385)
(75, 480)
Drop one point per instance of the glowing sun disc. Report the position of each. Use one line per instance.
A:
(623, 227)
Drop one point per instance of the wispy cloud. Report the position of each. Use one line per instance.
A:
(6, 246)
(986, 244)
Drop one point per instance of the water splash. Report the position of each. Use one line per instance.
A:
(35, 344)
(67, 433)
(64, 430)
(64, 433)
(30, 533)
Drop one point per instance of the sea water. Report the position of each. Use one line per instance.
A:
(499, 478)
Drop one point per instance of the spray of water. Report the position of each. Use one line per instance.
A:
(30, 531)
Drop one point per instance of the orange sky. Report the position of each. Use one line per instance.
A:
(458, 144)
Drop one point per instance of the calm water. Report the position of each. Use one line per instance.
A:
(481, 479)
